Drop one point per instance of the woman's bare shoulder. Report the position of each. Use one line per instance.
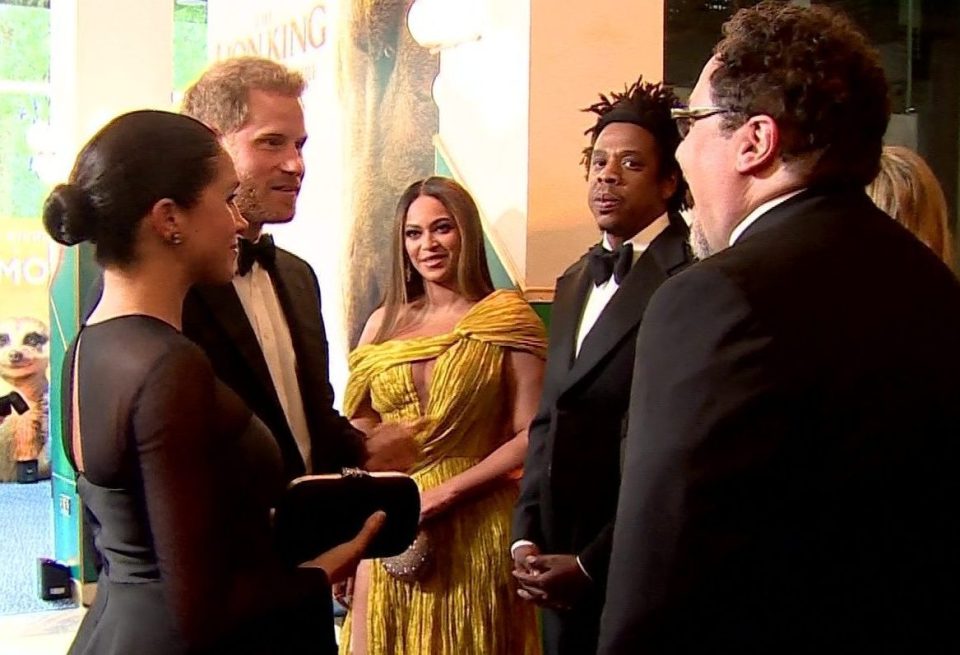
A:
(407, 315)
(372, 326)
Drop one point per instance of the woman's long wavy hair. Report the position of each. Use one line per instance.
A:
(406, 284)
(908, 191)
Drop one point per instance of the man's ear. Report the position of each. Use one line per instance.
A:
(759, 144)
(668, 185)
(165, 220)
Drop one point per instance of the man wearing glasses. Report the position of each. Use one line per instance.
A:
(790, 476)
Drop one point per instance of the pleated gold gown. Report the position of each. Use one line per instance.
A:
(468, 604)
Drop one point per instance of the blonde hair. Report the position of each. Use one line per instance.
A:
(221, 97)
(907, 190)
(406, 284)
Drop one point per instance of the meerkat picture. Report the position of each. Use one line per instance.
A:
(24, 438)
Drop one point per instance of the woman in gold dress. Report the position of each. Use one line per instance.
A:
(465, 361)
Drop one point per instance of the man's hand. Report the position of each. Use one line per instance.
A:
(393, 446)
(523, 557)
(554, 581)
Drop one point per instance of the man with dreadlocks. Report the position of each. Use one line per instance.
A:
(563, 521)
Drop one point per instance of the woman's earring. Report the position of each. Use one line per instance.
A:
(176, 238)
(406, 269)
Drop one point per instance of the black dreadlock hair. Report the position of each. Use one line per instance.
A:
(647, 105)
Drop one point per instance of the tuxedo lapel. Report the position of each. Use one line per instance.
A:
(619, 317)
(289, 288)
(568, 303)
(225, 309)
(667, 254)
(295, 291)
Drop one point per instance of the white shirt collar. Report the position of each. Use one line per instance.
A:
(645, 237)
(758, 212)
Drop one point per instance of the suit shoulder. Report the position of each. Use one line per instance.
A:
(678, 224)
(711, 277)
(291, 265)
(287, 258)
(577, 265)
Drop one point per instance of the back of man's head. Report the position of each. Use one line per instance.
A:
(220, 97)
(814, 73)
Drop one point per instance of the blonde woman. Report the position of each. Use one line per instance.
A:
(467, 361)
(907, 190)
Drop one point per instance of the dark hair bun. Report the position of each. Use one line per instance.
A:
(68, 215)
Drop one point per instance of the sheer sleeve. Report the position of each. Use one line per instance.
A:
(175, 423)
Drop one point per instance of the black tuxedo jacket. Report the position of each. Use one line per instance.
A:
(790, 478)
(214, 318)
(571, 475)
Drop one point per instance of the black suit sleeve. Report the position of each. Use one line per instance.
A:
(703, 421)
(341, 443)
(526, 513)
(595, 558)
(345, 440)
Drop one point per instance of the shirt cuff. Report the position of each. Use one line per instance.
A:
(520, 542)
(580, 564)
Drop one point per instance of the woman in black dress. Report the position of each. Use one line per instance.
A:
(176, 475)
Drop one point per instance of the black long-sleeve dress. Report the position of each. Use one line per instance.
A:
(179, 477)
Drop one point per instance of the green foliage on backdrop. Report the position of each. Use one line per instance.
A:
(42, 4)
(25, 59)
(25, 62)
(21, 191)
(189, 44)
(24, 43)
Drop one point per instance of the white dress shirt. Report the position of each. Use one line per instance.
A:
(597, 299)
(260, 302)
(758, 212)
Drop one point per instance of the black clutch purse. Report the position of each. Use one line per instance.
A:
(318, 512)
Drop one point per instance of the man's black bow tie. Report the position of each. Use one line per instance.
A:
(604, 263)
(262, 250)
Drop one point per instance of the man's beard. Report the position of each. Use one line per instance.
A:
(251, 206)
(698, 241)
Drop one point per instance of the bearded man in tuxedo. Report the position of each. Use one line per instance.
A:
(790, 476)
(264, 331)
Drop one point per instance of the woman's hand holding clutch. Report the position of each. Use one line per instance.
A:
(341, 561)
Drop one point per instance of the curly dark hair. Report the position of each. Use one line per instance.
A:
(647, 105)
(813, 71)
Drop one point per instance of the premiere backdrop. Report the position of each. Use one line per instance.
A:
(370, 119)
